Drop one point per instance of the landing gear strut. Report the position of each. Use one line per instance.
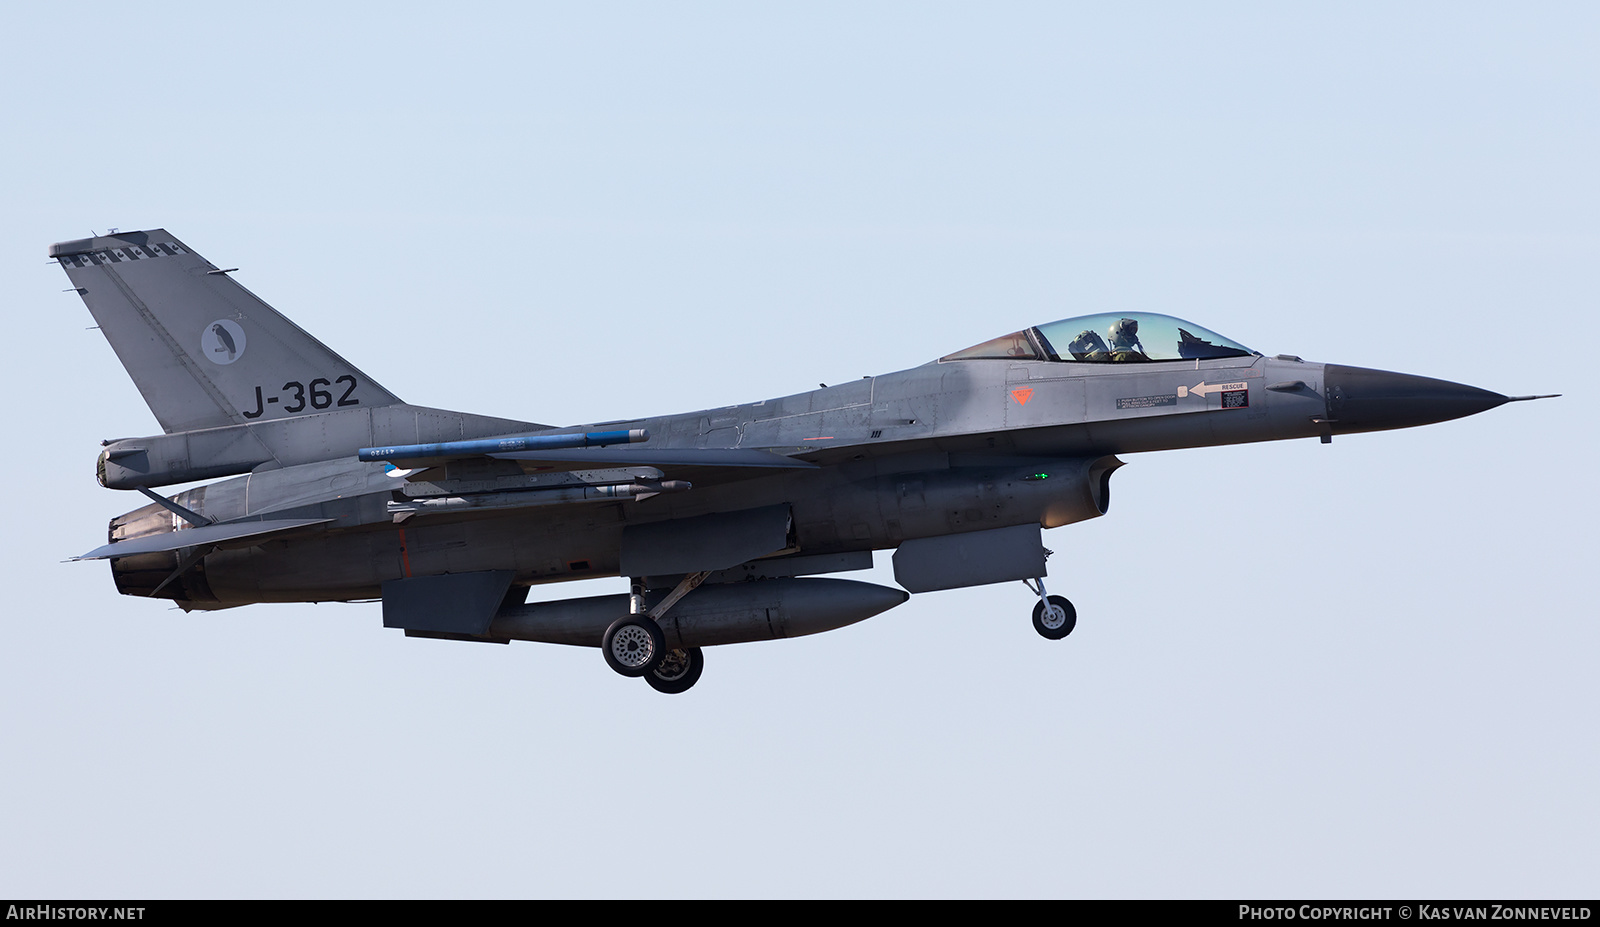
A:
(1054, 617)
(634, 645)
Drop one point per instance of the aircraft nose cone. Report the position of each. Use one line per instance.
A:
(1360, 399)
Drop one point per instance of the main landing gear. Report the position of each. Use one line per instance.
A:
(1053, 615)
(634, 645)
(677, 670)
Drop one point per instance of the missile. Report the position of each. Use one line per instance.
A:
(722, 613)
(536, 497)
(481, 446)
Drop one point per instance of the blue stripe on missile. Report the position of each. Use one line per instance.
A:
(501, 445)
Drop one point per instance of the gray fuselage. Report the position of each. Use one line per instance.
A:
(947, 447)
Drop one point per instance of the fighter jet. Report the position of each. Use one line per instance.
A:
(722, 521)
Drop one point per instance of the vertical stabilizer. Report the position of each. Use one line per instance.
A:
(203, 350)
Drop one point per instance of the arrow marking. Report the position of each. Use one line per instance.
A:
(1206, 389)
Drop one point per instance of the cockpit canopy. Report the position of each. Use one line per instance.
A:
(1110, 337)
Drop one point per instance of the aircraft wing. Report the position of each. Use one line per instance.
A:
(588, 451)
(701, 466)
(637, 469)
(255, 531)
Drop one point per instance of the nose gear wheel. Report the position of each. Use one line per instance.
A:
(1056, 619)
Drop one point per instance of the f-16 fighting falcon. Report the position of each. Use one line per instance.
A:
(329, 488)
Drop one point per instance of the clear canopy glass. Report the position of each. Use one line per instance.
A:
(1110, 337)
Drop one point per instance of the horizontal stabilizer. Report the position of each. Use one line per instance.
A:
(661, 457)
(256, 531)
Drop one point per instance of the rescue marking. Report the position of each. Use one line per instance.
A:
(1022, 395)
(1149, 402)
(1234, 396)
(1206, 389)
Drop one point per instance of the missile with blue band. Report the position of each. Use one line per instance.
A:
(501, 445)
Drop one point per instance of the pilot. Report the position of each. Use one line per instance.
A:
(1125, 344)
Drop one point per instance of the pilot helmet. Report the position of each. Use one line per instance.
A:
(1124, 333)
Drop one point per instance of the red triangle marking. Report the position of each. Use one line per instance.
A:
(1022, 395)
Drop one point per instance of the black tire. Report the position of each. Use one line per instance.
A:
(633, 645)
(677, 670)
(1057, 625)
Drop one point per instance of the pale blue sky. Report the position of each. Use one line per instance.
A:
(1362, 670)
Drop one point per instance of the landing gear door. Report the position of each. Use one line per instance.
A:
(975, 558)
(704, 543)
